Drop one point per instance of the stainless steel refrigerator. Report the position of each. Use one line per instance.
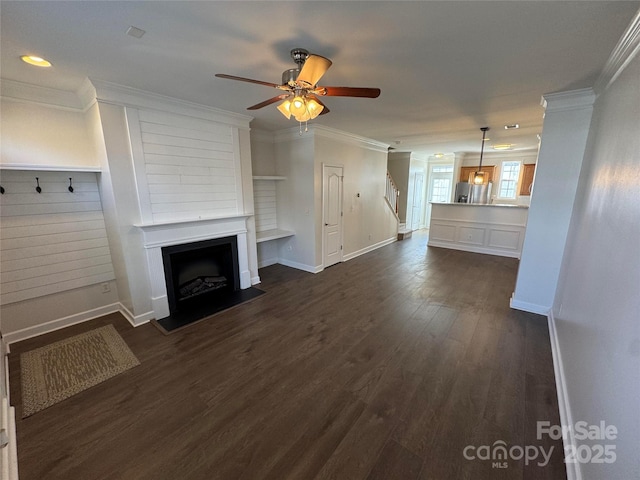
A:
(462, 192)
(471, 193)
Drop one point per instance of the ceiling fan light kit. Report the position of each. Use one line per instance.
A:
(301, 86)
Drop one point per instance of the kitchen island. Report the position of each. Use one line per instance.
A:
(495, 229)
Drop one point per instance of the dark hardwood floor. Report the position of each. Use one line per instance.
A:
(383, 367)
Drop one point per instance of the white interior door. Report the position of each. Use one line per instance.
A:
(332, 214)
(418, 201)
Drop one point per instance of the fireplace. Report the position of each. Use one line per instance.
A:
(202, 278)
(200, 273)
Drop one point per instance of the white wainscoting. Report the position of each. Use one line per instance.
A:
(491, 229)
(51, 241)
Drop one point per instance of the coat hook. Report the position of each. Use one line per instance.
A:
(1, 190)
(70, 185)
(38, 189)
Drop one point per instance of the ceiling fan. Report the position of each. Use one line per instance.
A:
(301, 89)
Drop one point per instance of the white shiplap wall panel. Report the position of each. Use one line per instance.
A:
(52, 241)
(264, 197)
(190, 167)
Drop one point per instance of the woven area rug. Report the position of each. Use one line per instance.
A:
(55, 372)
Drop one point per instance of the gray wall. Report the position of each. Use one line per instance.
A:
(597, 305)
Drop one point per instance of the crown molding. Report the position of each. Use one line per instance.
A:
(504, 155)
(351, 138)
(625, 50)
(115, 94)
(33, 94)
(315, 130)
(570, 100)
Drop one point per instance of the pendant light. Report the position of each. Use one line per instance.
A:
(478, 177)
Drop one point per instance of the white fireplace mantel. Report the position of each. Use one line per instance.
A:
(158, 235)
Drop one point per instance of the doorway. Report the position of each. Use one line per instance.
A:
(418, 201)
(331, 214)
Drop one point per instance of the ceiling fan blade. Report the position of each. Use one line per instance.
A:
(348, 92)
(248, 80)
(313, 69)
(268, 102)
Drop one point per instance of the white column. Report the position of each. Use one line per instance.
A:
(564, 138)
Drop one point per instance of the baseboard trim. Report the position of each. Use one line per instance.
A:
(528, 307)
(564, 406)
(370, 248)
(53, 325)
(474, 249)
(301, 266)
(267, 262)
(135, 320)
(59, 323)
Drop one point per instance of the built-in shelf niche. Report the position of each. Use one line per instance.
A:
(265, 202)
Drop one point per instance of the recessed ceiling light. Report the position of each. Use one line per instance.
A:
(512, 126)
(135, 32)
(439, 155)
(503, 146)
(36, 61)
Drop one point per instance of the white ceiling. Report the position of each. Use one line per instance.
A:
(445, 68)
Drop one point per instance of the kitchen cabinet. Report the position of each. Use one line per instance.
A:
(489, 170)
(528, 171)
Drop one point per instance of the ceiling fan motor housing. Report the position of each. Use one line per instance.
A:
(299, 56)
(290, 76)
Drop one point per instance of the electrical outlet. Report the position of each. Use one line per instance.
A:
(106, 287)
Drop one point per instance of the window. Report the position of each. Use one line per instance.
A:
(441, 181)
(509, 174)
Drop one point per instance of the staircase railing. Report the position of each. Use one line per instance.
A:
(392, 193)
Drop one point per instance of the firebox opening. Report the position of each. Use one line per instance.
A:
(201, 273)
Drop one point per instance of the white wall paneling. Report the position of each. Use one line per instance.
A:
(51, 241)
(186, 167)
(266, 213)
(264, 195)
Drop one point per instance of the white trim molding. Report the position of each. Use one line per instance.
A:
(53, 325)
(528, 307)
(34, 94)
(564, 406)
(130, 97)
(571, 100)
(626, 49)
(291, 134)
(370, 248)
(59, 323)
(301, 266)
